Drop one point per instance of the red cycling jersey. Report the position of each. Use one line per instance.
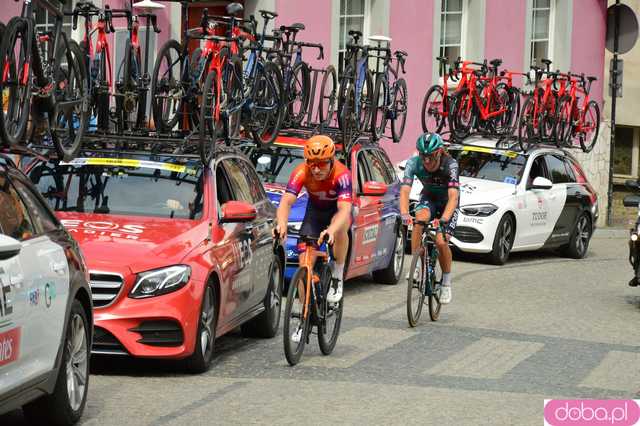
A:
(322, 193)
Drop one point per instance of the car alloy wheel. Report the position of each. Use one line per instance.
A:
(582, 235)
(77, 363)
(207, 318)
(506, 231)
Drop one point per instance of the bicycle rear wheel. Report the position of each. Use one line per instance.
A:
(526, 129)
(15, 81)
(548, 119)
(211, 128)
(563, 125)
(590, 127)
(269, 98)
(415, 288)
(293, 320)
(297, 93)
(328, 95)
(365, 101)
(167, 87)
(400, 104)
(71, 100)
(433, 113)
(435, 286)
(329, 327)
(130, 96)
(462, 114)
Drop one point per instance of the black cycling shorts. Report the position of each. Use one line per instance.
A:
(316, 220)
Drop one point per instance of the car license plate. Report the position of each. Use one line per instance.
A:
(9, 346)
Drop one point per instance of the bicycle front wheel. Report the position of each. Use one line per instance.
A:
(298, 93)
(294, 322)
(167, 87)
(15, 81)
(590, 127)
(435, 286)
(415, 289)
(400, 105)
(211, 124)
(328, 95)
(379, 107)
(331, 313)
(269, 104)
(433, 110)
(71, 100)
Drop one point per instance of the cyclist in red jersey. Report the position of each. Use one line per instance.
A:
(328, 183)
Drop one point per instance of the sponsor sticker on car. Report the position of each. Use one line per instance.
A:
(125, 162)
(9, 346)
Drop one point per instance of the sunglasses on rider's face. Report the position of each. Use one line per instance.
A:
(319, 164)
(430, 157)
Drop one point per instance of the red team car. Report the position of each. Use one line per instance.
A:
(178, 253)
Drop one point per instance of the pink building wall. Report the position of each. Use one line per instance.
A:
(588, 43)
(411, 28)
(505, 41)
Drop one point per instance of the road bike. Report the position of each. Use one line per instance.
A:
(46, 80)
(425, 277)
(307, 305)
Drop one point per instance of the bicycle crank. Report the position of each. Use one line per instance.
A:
(129, 102)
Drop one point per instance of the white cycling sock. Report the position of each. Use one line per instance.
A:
(338, 269)
(446, 279)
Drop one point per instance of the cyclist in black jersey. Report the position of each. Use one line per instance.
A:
(438, 172)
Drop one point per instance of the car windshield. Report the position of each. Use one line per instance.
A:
(497, 166)
(276, 168)
(148, 187)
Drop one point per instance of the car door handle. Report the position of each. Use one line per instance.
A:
(59, 267)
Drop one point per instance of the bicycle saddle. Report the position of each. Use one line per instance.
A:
(148, 5)
(546, 61)
(268, 14)
(234, 8)
(591, 78)
(355, 33)
(403, 53)
(496, 63)
(294, 27)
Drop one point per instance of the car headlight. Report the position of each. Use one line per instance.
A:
(294, 227)
(160, 281)
(479, 210)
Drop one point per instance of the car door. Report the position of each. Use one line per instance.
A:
(532, 215)
(567, 204)
(380, 170)
(250, 235)
(44, 269)
(242, 174)
(51, 243)
(366, 218)
(16, 364)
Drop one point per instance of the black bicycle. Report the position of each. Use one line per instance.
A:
(307, 305)
(46, 79)
(425, 277)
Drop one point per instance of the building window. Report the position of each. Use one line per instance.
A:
(625, 163)
(451, 18)
(353, 16)
(540, 31)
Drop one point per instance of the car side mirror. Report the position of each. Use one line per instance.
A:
(632, 184)
(374, 189)
(631, 201)
(237, 211)
(541, 183)
(9, 247)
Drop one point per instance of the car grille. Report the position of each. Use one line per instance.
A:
(104, 287)
(105, 343)
(159, 333)
(468, 235)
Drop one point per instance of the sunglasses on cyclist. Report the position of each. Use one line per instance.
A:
(431, 157)
(319, 164)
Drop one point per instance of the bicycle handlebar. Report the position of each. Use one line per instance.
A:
(311, 45)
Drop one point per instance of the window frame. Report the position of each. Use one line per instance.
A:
(529, 29)
(442, 28)
(27, 215)
(42, 206)
(366, 21)
(545, 170)
(550, 168)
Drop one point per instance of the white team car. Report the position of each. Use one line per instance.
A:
(514, 201)
(46, 322)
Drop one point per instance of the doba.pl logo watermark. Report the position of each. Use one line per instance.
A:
(578, 412)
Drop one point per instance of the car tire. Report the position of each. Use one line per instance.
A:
(61, 408)
(503, 240)
(580, 237)
(200, 360)
(266, 324)
(392, 272)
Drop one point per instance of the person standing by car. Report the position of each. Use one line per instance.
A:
(438, 172)
(328, 183)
